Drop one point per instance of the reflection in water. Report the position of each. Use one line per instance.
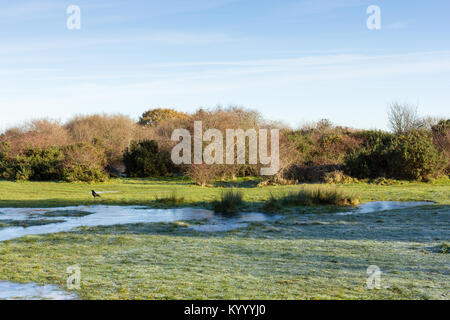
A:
(32, 291)
(379, 206)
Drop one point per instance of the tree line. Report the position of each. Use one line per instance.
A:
(95, 147)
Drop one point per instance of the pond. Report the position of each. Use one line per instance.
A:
(32, 221)
(90, 216)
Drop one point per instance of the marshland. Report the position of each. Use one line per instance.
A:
(343, 200)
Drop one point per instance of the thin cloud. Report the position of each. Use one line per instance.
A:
(163, 37)
(29, 9)
(310, 7)
(396, 25)
(251, 72)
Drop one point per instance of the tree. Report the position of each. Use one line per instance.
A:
(114, 132)
(41, 133)
(153, 117)
(404, 118)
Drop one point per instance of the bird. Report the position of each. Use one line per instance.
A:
(95, 194)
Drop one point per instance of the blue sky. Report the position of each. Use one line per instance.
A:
(294, 61)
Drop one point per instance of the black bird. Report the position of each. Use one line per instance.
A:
(95, 194)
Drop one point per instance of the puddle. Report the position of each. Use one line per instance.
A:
(32, 291)
(93, 216)
(378, 206)
(100, 216)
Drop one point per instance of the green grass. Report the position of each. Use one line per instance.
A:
(319, 255)
(170, 200)
(144, 192)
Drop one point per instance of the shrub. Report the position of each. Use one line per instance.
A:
(34, 164)
(78, 162)
(45, 164)
(411, 156)
(441, 138)
(5, 146)
(222, 119)
(16, 169)
(84, 153)
(313, 174)
(41, 134)
(145, 159)
(229, 202)
(322, 148)
(276, 181)
(84, 173)
(202, 174)
(414, 157)
(153, 117)
(114, 132)
(84, 162)
(363, 163)
(370, 160)
(373, 139)
(337, 177)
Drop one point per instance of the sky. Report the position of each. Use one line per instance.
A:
(295, 61)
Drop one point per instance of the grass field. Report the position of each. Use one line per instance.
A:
(144, 192)
(311, 253)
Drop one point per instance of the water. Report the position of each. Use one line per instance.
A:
(238, 221)
(379, 206)
(117, 215)
(32, 291)
(101, 216)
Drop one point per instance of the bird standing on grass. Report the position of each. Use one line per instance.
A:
(95, 194)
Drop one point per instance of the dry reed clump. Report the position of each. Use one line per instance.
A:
(230, 201)
(312, 195)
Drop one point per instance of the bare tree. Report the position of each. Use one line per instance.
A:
(404, 118)
(429, 122)
(114, 131)
(40, 133)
